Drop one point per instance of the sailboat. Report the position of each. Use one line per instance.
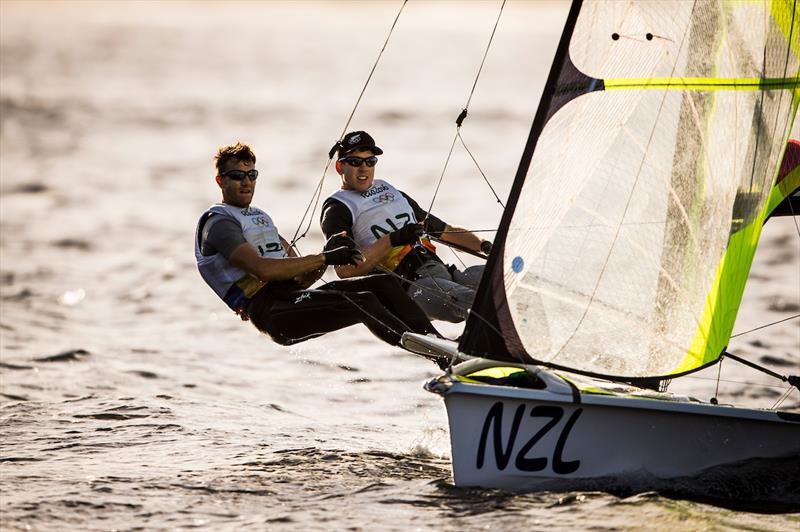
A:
(622, 255)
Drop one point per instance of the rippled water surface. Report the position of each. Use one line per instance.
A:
(131, 399)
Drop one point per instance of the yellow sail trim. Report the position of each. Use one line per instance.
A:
(789, 184)
(785, 19)
(703, 84)
(782, 13)
(719, 314)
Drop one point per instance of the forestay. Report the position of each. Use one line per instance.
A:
(638, 204)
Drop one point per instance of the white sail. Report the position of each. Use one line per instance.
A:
(634, 229)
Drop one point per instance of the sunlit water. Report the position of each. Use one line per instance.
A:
(132, 399)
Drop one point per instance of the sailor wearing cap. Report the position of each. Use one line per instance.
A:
(244, 259)
(386, 225)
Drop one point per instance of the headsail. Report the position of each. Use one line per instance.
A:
(630, 230)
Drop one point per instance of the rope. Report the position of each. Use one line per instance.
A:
(767, 325)
(783, 398)
(486, 53)
(439, 294)
(761, 384)
(398, 333)
(441, 177)
(458, 132)
(315, 197)
(457, 256)
(442, 295)
(353, 112)
(464, 111)
(716, 389)
(457, 231)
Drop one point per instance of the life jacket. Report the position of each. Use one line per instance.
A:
(377, 212)
(233, 285)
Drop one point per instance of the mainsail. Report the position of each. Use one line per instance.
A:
(637, 206)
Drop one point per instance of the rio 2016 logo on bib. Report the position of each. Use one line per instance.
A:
(384, 198)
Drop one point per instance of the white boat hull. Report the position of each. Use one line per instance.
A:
(552, 435)
(521, 439)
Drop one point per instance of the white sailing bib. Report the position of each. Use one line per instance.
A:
(376, 212)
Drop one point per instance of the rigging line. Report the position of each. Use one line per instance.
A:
(760, 384)
(314, 201)
(783, 398)
(457, 256)
(459, 247)
(486, 53)
(463, 114)
(373, 69)
(457, 231)
(441, 177)
(375, 318)
(362, 309)
(716, 388)
(493, 328)
(318, 192)
(794, 380)
(458, 132)
(767, 325)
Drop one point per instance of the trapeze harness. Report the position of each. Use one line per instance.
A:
(379, 211)
(233, 285)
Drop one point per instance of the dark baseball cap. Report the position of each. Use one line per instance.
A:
(357, 141)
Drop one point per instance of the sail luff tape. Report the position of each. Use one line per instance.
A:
(703, 84)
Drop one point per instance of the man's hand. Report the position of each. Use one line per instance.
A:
(338, 240)
(340, 250)
(486, 247)
(342, 255)
(408, 234)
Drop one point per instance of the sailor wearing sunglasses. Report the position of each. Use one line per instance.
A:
(243, 258)
(385, 224)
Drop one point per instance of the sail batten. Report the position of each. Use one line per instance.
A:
(635, 212)
(701, 84)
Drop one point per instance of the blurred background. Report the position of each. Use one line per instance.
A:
(130, 395)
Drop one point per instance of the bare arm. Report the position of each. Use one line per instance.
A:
(265, 269)
(461, 237)
(373, 255)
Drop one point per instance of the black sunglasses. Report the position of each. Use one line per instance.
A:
(239, 175)
(357, 161)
